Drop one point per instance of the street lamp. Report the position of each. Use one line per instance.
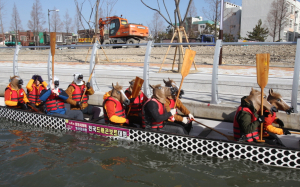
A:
(49, 15)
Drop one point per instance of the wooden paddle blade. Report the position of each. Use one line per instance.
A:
(262, 69)
(52, 42)
(187, 62)
(138, 83)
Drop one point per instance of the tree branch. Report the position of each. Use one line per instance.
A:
(167, 10)
(187, 10)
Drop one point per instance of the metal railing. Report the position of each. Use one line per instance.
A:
(214, 85)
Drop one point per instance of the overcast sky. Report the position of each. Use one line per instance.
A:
(133, 10)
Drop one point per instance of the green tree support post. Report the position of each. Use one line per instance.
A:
(259, 33)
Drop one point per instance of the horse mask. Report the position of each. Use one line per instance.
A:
(254, 99)
(130, 88)
(119, 94)
(16, 82)
(276, 100)
(160, 93)
(174, 88)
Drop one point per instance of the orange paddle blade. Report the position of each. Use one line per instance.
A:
(52, 42)
(187, 62)
(138, 83)
(262, 69)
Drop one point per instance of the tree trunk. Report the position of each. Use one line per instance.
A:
(179, 51)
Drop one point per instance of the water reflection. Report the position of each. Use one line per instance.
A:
(34, 156)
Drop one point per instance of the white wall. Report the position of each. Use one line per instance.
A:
(232, 19)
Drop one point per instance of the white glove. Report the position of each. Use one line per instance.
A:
(173, 111)
(185, 120)
(56, 92)
(191, 116)
(52, 87)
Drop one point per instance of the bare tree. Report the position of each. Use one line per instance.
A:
(156, 25)
(283, 14)
(55, 22)
(67, 20)
(192, 12)
(181, 22)
(213, 13)
(15, 23)
(37, 20)
(272, 19)
(1, 20)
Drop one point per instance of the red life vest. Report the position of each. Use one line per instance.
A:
(16, 95)
(119, 110)
(153, 124)
(236, 127)
(137, 105)
(34, 95)
(77, 94)
(53, 102)
(172, 104)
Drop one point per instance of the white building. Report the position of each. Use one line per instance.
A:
(253, 10)
(232, 19)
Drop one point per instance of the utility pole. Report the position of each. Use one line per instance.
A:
(221, 30)
(97, 19)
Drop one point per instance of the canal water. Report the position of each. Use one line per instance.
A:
(41, 157)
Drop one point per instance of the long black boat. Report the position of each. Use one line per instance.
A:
(265, 154)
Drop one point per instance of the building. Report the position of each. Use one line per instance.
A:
(232, 20)
(253, 10)
(197, 25)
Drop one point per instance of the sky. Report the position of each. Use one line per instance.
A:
(133, 10)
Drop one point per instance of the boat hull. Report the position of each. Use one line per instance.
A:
(265, 154)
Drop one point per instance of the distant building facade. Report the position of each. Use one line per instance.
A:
(253, 10)
(232, 20)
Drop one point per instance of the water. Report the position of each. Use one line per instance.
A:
(40, 157)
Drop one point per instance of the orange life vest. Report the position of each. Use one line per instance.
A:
(269, 119)
(53, 102)
(236, 127)
(172, 104)
(34, 95)
(16, 95)
(77, 94)
(153, 124)
(119, 110)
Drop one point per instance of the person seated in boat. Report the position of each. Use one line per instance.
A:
(54, 98)
(114, 103)
(155, 115)
(247, 120)
(136, 104)
(34, 87)
(276, 100)
(185, 120)
(15, 96)
(75, 92)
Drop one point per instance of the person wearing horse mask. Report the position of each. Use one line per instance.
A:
(114, 103)
(54, 99)
(247, 120)
(34, 87)
(185, 120)
(155, 115)
(15, 96)
(77, 90)
(135, 113)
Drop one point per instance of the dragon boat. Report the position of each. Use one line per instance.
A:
(202, 144)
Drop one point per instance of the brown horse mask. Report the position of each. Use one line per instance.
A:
(254, 99)
(174, 88)
(160, 93)
(119, 94)
(16, 82)
(276, 100)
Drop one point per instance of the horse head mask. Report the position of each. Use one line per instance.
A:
(174, 88)
(16, 82)
(119, 94)
(254, 99)
(276, 100)
(160, 93)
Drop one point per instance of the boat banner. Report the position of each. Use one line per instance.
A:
(102, 130)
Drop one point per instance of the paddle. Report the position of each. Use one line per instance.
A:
(294, 132)
(228, 137)
(87, 81)
(186, 66)
(262, 71)
(35, 109)
(52, 46)
(138, 83)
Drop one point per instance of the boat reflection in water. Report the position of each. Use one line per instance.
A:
(39, 156)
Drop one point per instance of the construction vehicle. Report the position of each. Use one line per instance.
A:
(122, 32)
